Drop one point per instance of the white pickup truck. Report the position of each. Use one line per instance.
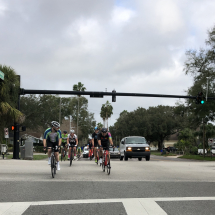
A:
(200, 151)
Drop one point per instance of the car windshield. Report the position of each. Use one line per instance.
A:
(111, 149)
(135, 140)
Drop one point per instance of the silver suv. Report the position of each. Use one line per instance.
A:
(134, 147)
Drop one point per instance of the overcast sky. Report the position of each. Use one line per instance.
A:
(128, 45)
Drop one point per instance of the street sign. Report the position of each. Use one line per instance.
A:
(1, 75)
(6, 133)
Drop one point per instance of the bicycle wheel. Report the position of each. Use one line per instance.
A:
(108, 165)
(52, 166)
(55, 166)
(71, 159)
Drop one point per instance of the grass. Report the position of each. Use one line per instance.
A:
(197, 157)
(159, 154)
(35, 157)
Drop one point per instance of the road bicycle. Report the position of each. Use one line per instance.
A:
(53, 161)
(72, 154)
(105, 162)
(63, 153)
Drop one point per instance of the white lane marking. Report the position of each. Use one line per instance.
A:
(139, 206)
(16, 208)
(134, 207)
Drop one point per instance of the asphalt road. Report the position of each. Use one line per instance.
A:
(160, 186)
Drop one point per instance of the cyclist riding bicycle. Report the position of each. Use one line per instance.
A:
(64, 141)
(52, 138)
(72, 141)
(90, 147)
(103, 140)
(95, 141)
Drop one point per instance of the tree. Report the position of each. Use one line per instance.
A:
(99, 125)
(201, 65)
(9, 94)
(106, 112)
(78, 87)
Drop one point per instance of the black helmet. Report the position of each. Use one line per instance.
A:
(65, 132)
(104, 130)
(55, 124)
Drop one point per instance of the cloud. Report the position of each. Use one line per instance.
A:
(130, 46)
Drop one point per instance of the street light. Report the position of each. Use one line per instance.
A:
(207, 89)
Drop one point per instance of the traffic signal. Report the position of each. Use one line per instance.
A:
(114, 96)
(12, 127)
(200, 99)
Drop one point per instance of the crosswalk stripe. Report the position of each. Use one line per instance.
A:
(133, 206)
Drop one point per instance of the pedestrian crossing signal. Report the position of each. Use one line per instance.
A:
(12, 128)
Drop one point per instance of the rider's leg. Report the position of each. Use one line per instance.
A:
(57, 156)
(100, 154)
(74, 149)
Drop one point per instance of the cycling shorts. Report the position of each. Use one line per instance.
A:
(53, 144)
(72, 145)
(63, 144)
(105, 146)
(95, 144)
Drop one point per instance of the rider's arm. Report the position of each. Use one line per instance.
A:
(77, 141)
(110, 140)
(93, 142)
(67, 140)
(99, 142)
(44, 142)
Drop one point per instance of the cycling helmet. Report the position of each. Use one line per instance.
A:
(65, 132)
(96, 128)
(104, 130)
(55, 124)
(72, 131)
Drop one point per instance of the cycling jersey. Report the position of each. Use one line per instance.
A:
(104, 140)
(72, 139)
(95, 137)
(64, 138)
(52, 136)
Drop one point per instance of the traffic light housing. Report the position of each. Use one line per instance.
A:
(200, 99)
(113, 96)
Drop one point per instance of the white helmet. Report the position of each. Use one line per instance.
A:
(55, 124)
(90, 137)
(72, 131)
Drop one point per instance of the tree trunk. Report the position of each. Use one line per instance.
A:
(103, 122)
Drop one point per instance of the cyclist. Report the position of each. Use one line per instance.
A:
(52, 138)
(64, 142)
(72, 140)
(90, 146)
(95, 141)
(103, 140)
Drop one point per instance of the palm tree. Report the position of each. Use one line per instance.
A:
(78, 87)
(106, 112)
(9, 94)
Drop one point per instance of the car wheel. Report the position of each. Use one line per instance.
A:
(147, 158)
(125, 157)
(139, 159)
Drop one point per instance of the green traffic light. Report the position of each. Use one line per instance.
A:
(202, 102)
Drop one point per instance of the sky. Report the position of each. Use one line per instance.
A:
(133, 46)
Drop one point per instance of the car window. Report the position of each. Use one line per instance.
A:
(135, 140)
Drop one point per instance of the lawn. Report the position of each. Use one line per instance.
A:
(159, 154)
(35, 157)
(197, 157)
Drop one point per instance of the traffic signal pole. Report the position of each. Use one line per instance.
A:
(16, 136)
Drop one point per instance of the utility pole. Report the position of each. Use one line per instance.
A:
(60, 111)
(207, 89)
(203, 137)
(77, 116)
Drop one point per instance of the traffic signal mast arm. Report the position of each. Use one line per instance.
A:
(101, 94)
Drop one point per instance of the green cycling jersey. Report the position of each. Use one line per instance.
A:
(64, 138)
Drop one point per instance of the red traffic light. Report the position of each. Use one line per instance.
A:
(12, 128)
